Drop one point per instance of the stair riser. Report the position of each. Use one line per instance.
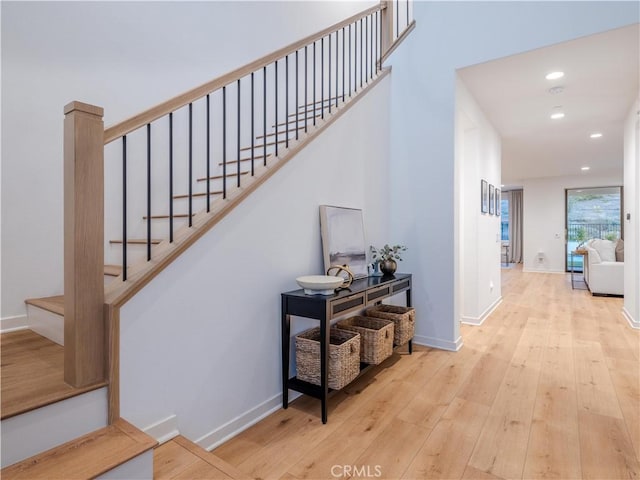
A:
(38, 430)
(48, 324)
(140, 468)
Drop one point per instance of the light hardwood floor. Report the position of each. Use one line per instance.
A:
(547, 387)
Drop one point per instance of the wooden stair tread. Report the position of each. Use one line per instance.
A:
(181, 458)
(53, 304)
(85, 457)
(33, 373)
(113, 270)
(138, 241)
(199, 194)
(217, 177)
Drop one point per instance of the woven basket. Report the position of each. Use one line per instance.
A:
(344, 357)
(404, 319)
(376, 337)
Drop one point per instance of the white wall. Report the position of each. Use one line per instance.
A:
(544, 217)
(632, 208)
(202, 341)
(125, 57)
(425, 195)
(478, 152)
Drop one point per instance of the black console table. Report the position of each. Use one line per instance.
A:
(362, 293)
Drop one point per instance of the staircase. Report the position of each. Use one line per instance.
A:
(60, 407)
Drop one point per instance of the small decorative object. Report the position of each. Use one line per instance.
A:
(348, 275)
(342, 231)
(387, 257)
(484, 196)
(492, 199)
(320, 284)
(375, 270)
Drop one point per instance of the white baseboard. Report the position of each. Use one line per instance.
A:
(632, 322)
(232, 428)
(12, 324)
(480, 320)
(438, 343)
(163, 430)
(533, 270)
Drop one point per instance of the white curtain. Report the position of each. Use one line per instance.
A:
(515, 226)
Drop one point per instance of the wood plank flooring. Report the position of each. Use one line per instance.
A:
(32, 373)
(547, 387)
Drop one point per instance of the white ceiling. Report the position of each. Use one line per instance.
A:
(600, 84)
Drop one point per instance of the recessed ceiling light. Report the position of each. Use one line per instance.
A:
(554, 75)
(556, 90)
(557, 115)
(595, 135)
(584, 169)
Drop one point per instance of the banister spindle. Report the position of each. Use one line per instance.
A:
(253, 135)
(337, 66)
(355, 57)
(322, 78)
(286, 101)
(343, 57)
(297, 101)
(314, 83)
(224, 142)
(329, 76)
(366, 48)
(361, 56)
(238, 138)
(350, 64)
(124, 208)
(208, 154)
(276, 105)
(171, 177)
(190, 164)
(264, 114)
(148, 191)
(306, 90)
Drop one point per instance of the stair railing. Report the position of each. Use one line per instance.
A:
(231, 129)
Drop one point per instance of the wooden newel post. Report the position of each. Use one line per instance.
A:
(386, 25)
(84, 331)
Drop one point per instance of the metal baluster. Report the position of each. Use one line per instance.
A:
(286, 101)
(264, 114)
(208, 153)
(361, 62)
(190, 163)
(355, 57)
(148, 191)
(371, 58)
(306, 91)
(171, 177)
(124, 208)
(238, 144)
(366, 37)
(297, 106)
(322, 78)
(397, 19)
(329, 76)
(224, 142)
(378, 44)
(337, 63)
(350, 61)
(314, 83)
(407, 13)
(343, 56)
(253, 134)
(276, 108)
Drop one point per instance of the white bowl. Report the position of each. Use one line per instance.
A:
(319, 284)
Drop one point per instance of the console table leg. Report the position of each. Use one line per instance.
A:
(325, 340)
(286, 344)
(410, 347)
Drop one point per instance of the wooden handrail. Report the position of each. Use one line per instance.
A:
(171, 105)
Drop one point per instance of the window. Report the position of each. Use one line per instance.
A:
(504, 218)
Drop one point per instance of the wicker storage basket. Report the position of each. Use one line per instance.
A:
(376, 337)
(344, 357)
(404, 319)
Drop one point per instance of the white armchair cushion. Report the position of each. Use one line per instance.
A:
(593, 256)
(606, 278)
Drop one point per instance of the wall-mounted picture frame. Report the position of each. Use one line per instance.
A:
(492, 199)
(342, 231)
(484, 196)
(498, 202)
